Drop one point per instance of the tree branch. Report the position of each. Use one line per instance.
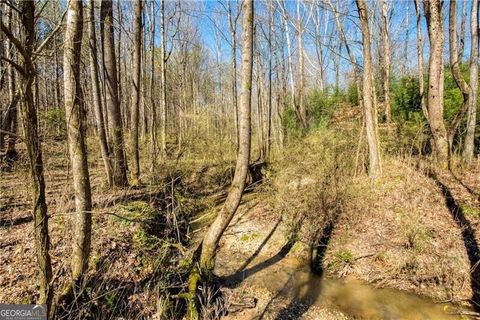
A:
(14, 64)
(50, 36)
(14, 40)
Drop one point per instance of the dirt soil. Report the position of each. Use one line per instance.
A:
(401, 232)
(411, 230)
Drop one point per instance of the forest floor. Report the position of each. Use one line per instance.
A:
(371, 247)
(406, 246)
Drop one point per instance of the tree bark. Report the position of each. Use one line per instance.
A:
(434, 16)
(96, 94)
(136, 62)
(301, 65)
(351, 57)
(76, 129)
(9, 122)
(232, 23)
(368, 96)
(290, 64)
(216, 230)
(461, 34)
(153, 129)
(456, 72)
(421, 82)
(163, 80)
(386, 61)
(468, 150)
(119, 164)
(34, 149)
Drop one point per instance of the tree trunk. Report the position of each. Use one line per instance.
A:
(10, 121)
(351, 57)
(153, 129)
(136, 62)
(163, 80)
(368, 96)
(456, 72)
(34, 150)
(461, 34)
(290, 65)
(472, 106)
(434, 16)
(386, 61)
(96, 94)
(216, 230)
(270, 75)
(421, 83)
(76, 129)
(232, 23)
(119, 174)
(301, 65)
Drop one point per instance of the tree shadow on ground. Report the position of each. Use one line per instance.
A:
(469, 240)
(467, 187)
(308, 290)
(8, 223)
(241, 274)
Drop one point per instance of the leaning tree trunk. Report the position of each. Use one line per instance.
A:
(27, 74)
(368, 96)
(472, 106)
(119, 174)
(76, 130)
(457, 74)
(434, 16)
(136, 61)
(216, 230)
(96, 94)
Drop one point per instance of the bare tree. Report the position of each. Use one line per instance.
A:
(216, 230)
(96, 95)
(421, 83)
(472, 106)
(153, 121)
(9, 121)
(163, 77)
(76, 130)
(27, 71)
(137, 65)
(301, 65)
(457, 74)
(386, 60)
(232, 24)
(461, 34)
(434, 15)
(368, 95)
(290, 63)
(119, 164)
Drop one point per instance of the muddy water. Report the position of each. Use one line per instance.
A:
(361, 301)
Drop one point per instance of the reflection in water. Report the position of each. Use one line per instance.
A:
(362, 301)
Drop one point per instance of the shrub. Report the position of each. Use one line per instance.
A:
(55, 124)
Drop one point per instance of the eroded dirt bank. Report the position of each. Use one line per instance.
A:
(397, 250)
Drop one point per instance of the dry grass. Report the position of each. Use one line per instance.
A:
(140, 239)
(399, 233)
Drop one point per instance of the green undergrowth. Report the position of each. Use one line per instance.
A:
(309, 181)
(143, 250)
